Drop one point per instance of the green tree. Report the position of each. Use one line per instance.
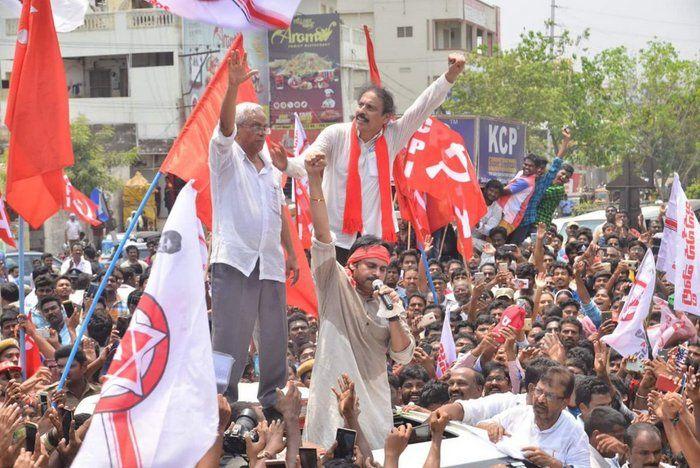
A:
(618, 105)
(93, 163)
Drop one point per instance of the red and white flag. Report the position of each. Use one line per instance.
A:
(5, 231)
(629, 336)
(448, 352)
(686, 265)
(667, 249)
(302, 202)
(158, 406)
(438, 163)
(234, 14)
(80, 204)
(672, 328)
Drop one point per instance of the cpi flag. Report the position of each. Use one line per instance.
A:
(686, 267)
(5, 231)
(630, 336)
(77, 202)
(234, 14)
(667, 249)
(37, 117)
(302, 202)
(672, 328)
(161, 380)
(448, 352)
(438, 163)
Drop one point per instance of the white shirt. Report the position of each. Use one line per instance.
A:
(334, 142)
(566, 440)
(83, 265)
(490, 220)
(128, 264)
(73, 230)
(489, 406)
(246, 206)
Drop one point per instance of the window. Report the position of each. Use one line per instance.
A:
(404, 31)
(448, 35)
(152, 59)
(100, 83)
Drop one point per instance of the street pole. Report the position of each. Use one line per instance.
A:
(552, 16)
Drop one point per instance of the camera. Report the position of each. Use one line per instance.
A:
(234, 437)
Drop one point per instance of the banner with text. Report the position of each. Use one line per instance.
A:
(305, 73)
(501, 149)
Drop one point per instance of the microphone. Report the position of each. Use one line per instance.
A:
(376, 285)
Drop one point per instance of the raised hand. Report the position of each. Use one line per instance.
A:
(278, 155)
(289, 403)
(456, 63)
(315, 163)
(397, 440)
(348, 403)
(237, 69)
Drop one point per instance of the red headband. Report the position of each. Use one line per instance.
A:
(378, 252)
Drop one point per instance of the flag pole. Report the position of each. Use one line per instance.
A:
(20, 261)
(424, 260)
(105, 278)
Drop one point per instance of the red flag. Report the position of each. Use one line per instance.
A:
(5, 231)
(373, 69)
(303, 293)
(438, 164)
(77, 202)
(33, 356)
(37, 117)
(189, 156)
(302, 202)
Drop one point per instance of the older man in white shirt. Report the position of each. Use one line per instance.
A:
(248, 232)
(545, 432)
(76, 261)
(360, 157)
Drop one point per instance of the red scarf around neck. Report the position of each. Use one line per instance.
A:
(352, 218)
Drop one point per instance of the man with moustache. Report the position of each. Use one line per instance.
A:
(356, 329)
(360, 156)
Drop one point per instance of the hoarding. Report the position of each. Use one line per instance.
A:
(501, 149)
(305, 72)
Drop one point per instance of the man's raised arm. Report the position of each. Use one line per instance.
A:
(315, 162)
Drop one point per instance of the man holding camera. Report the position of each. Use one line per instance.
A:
(249, 229)
(357, 329)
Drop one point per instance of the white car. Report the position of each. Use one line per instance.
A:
(594, 218)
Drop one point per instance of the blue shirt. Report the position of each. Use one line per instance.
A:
(541, 185)
(592, 311)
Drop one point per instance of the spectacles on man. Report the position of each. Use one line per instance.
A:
(258, 128)
(549, 396)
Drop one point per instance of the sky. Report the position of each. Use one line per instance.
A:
(631, 23)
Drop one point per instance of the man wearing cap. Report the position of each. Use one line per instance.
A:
(304, 372)
(9, 351)
(357, 329)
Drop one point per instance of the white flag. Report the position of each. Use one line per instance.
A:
(671, 328)
(67, 14)
(667, 250)
(158, 406)
(234, 14)
(686, 279)
(629, 336)
(300, 139)
(448, 352)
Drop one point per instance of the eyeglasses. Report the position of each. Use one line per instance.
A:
(257, 128)
(548, 395)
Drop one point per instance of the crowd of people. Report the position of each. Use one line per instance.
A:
(546, 387)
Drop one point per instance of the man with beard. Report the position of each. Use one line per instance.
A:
(52, 312)
(360, 156)
(465, 384)
(412, 379)
(561, 274)
(644, 446)
(461, 293)
(570, 332)
(356, 329)
(547, 434)
(496, 379)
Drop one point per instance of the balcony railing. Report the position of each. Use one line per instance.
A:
(135, 19)
(138, 19)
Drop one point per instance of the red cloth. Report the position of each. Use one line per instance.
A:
(373, 69)
(37, 117)
(189, 156)
(32, 353)
(5, 231)
(441, 167)
(303, 293)
(77, 202)
(378, 252)
(352, 218)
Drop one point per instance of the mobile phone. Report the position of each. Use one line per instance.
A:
(528, 324)
(69, 308)
(606, 316)
(308, 457)
(606, 267)
(533, 237)
(427, 319)
(502, 266)
(44, 402)
(92, 290)
(665, 384)
(509, 247)
(479, 277)
(521, 283)
(280, 463)
(345, 439)
(30, 430)
(66, 423)
(635, 366)
(420, 434)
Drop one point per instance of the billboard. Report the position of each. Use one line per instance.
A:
(204, 47)
(305, 72)
(501, 149)
(465, 126)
